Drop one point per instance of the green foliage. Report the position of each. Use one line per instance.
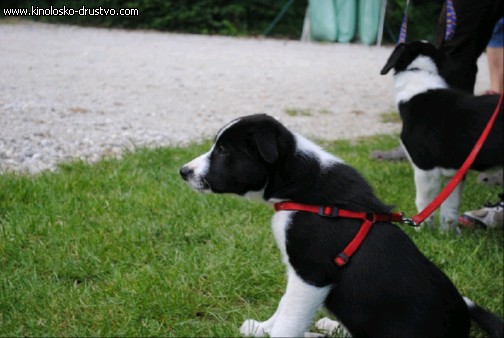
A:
(126, 248)
(423, 17)
(242, 17)
(245, 17)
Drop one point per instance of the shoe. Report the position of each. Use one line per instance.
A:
(396, 154)
(490, 216)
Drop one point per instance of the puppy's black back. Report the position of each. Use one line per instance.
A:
(441, 126)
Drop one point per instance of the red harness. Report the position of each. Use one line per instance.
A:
(330, 211)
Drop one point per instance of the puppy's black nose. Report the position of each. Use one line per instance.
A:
(185, 172)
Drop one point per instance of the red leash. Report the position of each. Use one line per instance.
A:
(459, 175)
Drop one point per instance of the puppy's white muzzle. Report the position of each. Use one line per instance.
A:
(194, 173)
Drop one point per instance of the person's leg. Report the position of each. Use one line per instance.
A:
(475, 21)
(495, 56)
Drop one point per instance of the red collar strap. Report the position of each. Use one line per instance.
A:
(330, 211)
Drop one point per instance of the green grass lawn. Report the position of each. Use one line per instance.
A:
(125, 248)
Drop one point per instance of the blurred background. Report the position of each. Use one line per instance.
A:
(279, 19)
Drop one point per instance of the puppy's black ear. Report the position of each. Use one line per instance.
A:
(394, 58)
(267, 145)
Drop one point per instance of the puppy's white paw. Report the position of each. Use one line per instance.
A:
(429, 221)
(253, 328)
(448, 222)
(326, 325)
(426, 224)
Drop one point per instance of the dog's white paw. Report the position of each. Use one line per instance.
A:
(430, 220)
(313, 335)
(428, 223)
(448, 222)
(326, 325)
(253, 328)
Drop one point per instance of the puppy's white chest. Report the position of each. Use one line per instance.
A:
(280, 223)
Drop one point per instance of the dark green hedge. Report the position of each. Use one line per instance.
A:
(423, 17)
(240, 17)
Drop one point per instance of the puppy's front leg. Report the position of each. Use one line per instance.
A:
(427, 187)
(449, 210)
(253, 328)
(299, 305)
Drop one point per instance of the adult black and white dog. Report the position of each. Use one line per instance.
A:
(388, 288)
(440, 125)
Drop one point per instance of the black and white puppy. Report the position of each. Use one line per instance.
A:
(440, 125)
(388, 288)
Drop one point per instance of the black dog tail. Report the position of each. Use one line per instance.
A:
(489, 322)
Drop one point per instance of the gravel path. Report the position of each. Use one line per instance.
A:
(68, 92)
